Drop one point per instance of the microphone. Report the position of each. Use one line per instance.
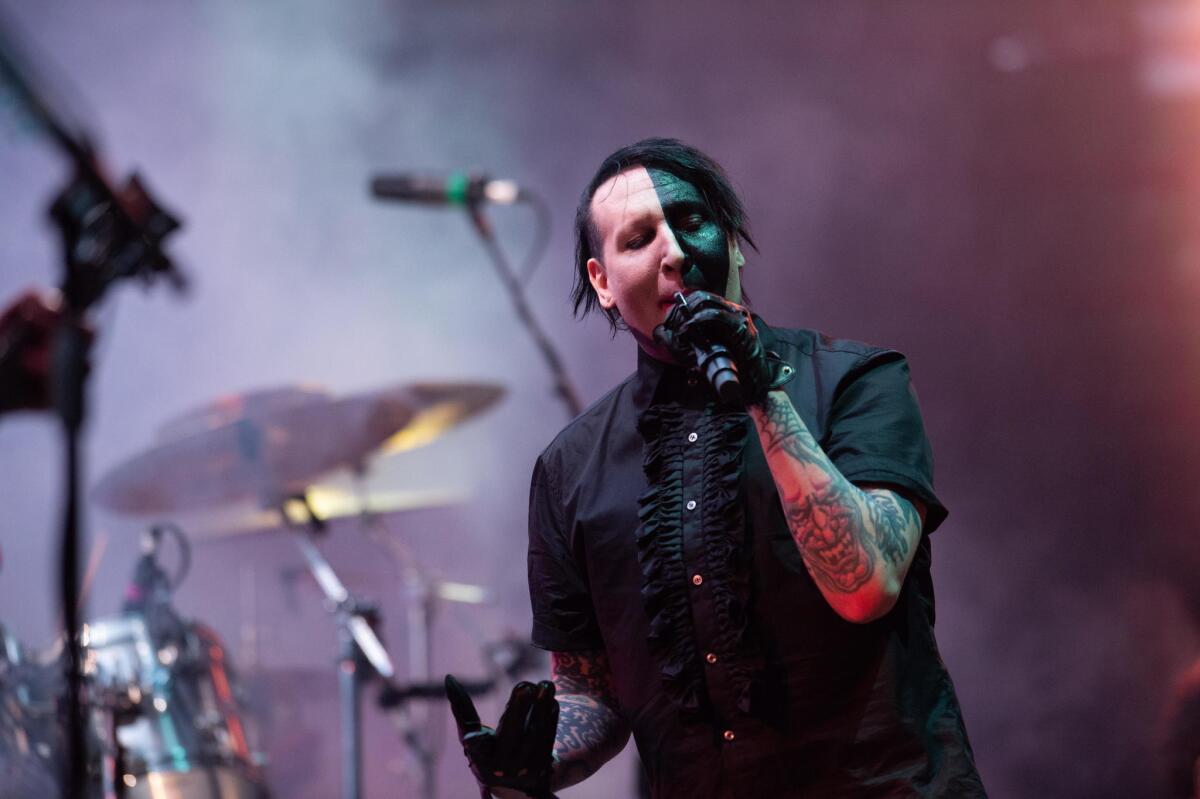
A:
(458, 188)
(714, 361)
(148, 579)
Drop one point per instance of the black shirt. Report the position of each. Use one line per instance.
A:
(656, 533)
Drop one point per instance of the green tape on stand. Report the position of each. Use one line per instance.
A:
(457, 186)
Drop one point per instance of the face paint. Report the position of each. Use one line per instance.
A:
(704, 244)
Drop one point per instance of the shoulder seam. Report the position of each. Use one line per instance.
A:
(588, 411)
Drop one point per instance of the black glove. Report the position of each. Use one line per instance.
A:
(519, 753)
(704, 319)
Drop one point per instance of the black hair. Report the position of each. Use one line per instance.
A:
(669, 155)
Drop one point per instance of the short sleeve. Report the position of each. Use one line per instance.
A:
(563, 618)
(876, 435)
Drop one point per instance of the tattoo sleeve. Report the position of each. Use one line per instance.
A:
(850, 539)
(891, 516)
(590, 727)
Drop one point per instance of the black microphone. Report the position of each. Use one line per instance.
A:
(714, 361)
(148, 580)
(458, 188)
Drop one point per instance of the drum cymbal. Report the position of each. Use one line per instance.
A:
(266, 445)
(328, 504)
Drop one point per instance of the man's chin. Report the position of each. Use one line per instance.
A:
(653, 348)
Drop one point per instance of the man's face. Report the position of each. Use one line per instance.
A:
(657, 237)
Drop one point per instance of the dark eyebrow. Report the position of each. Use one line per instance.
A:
(686, 205)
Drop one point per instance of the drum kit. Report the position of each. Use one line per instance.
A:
(168, 715)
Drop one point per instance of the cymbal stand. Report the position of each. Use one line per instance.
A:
(421, 595)
(361, 653)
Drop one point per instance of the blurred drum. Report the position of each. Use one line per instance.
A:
(186, 739)
(31, 744)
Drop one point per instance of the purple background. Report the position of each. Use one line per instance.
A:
(1007, 192)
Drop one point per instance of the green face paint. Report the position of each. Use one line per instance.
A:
(691, 220)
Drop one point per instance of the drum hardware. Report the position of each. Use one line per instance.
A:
(267, 447)
(114, 706)
(421, 600)
(161, 693)
(166, 711)
(330, 503)
(512, 656)
(149, 671)
(361, 654)
(413, 727)
(31, 743)
(507, 658)
(422, 593)
(362, 657)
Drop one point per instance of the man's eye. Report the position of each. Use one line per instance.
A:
(692, 222)
(635, 243)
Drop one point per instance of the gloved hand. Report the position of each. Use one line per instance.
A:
(706, 319)
(519, 753)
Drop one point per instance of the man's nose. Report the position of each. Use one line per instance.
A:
(673, 257)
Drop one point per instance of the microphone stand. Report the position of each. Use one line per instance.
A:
(564, 389)
(107, 235)
(421, 592)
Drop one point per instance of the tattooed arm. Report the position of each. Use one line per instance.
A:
(590, 727)
(857, 543)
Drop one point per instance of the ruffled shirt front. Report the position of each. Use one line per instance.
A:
(696, 452)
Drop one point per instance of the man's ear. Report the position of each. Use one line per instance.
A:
(599, 280)
(733, 282)
(736, 259)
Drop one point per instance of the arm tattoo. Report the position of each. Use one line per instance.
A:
(827, 525)
(826, 520)
(783, 430)
(590, 727)
(890, 517)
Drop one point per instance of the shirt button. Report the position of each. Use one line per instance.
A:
(710, 657)
(691, 504)
(728, 735)
(697, 579)
(692, 437)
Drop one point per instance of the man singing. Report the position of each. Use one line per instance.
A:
(741, 580)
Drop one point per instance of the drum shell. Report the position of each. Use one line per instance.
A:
(187, 739)
(200, 783)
